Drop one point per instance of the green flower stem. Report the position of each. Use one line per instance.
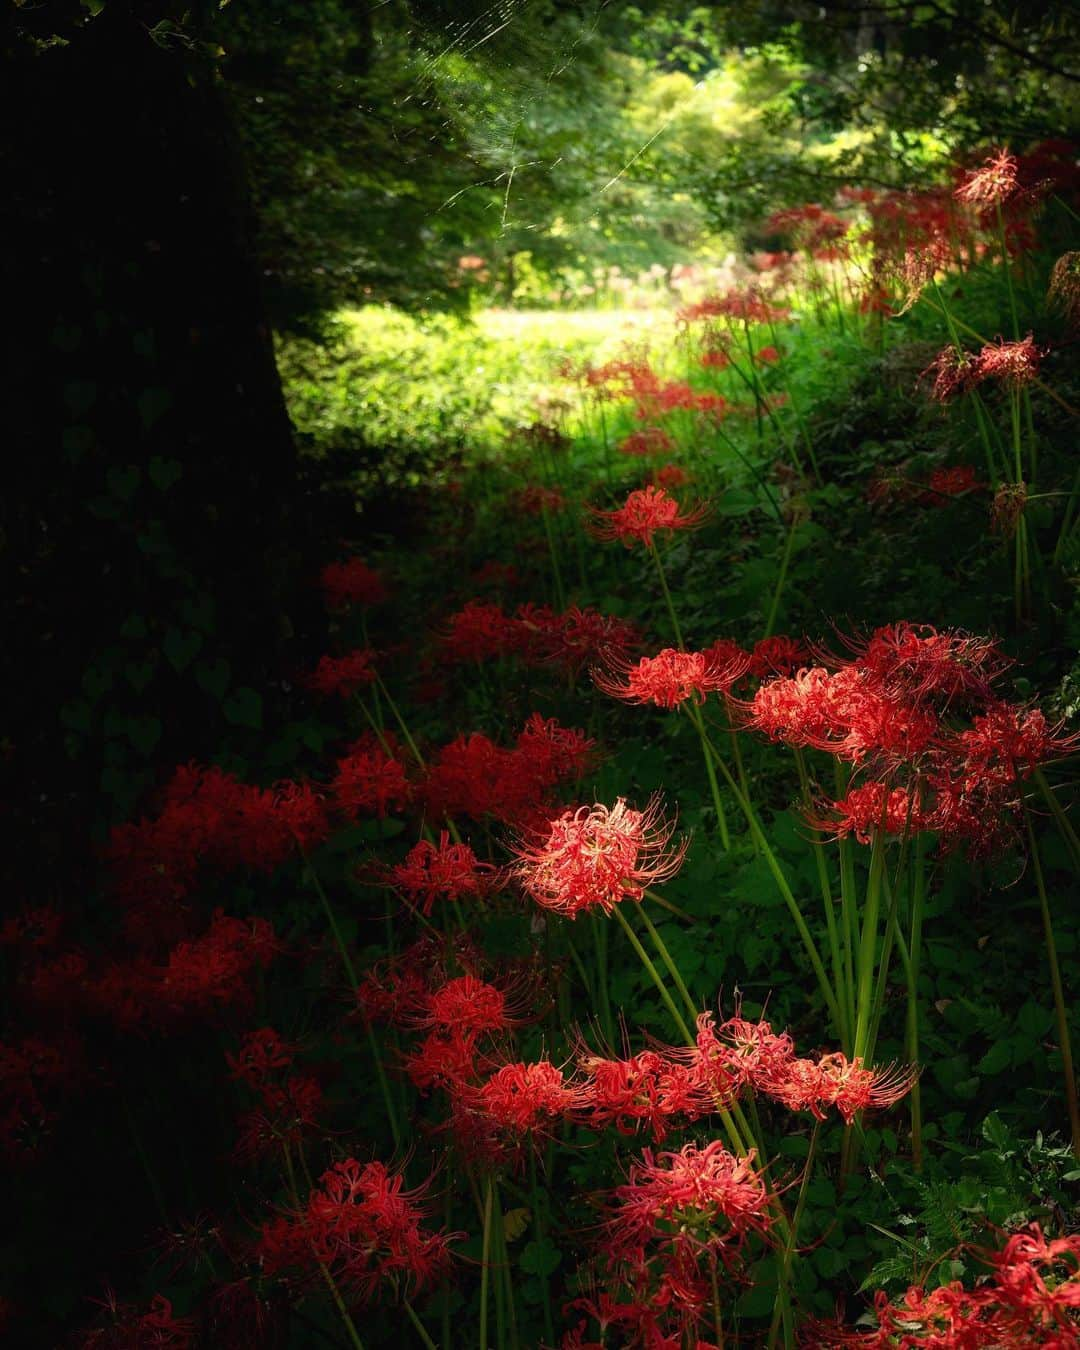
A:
(600, 943)
(1061, 819)
(671, 909)
(911, 1039)
(350, 971)
(675, 628)
(892, 897)
(420, 1329)
(868, 946)
(485, 1266)
(789, 544)
(654, 975)
(714, 786)
(406, 733)
(974, 332)
(538, 1230)
(1064, 1039)
(756, 475)
(843, 995)
(848, 904)
(673, 970)
(785, 890)
(789, 1246)
(560, 594)
(444, 1320)
(1008, 272)
(331, 1283)
(695, 713)
(800, 420)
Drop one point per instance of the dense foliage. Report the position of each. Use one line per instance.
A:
(580, 853)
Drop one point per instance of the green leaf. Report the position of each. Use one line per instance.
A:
(243, 708)
(164, 472)
(213, 677)
(139, 674)
(540, 1258)
(143, 733)
(997, 1058)
(124, 482)
(181, 648)
(153, 404)
(1035, 1021)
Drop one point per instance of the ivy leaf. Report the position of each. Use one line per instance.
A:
(243, 708)
(213, 677)
(181, 648)
(144, 733)
(540, 1258)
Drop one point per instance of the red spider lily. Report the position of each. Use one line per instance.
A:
(646, 512)
(779, 655)
(467, 1004)
(598, 856)
(946, 483)
(342, 676)
(351, 583)
(209, 971)
(35, 928)
(714, 358)
(132, 1328)
(523, 1098)
(870, 808)
(1015, 364)
(834, 1080)
(244, 1315)
(647, 1089)
(670, 476)
(536, 499)
(647, 441)
(370, 781)
(991, 184)
(671, 677)
(477, 632)
(699, 1200)
(951, 372)
(1007, 508)
(446, 1058)
(812, 227)
(472, 776)
(767, 356)
(210, 818)
(847, 713)
(365, 1228)
(1064, 289)
(919, 661)
(1011, 742)
(261, 1056)
(289, 1110)
(736, 1054)
(555, 753)
(749, 305)
(534, 634)
(199, 976)
(1031, 1298)
(446, 872)
(583, 636)
(394, 988)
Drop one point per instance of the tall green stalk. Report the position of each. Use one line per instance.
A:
(1061, 1015)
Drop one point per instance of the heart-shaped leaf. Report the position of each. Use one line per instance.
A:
(213, 677)
(182, 648)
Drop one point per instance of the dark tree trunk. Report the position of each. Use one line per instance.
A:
(150, 518)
